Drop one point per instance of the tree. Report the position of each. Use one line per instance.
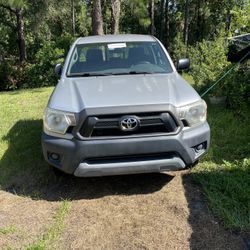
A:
(115, 16)
(186, 22)
(167, 23)
(135, 16)
(152, 17)
(162, 19)
(73, 22)
(17, 8)
(97, 21)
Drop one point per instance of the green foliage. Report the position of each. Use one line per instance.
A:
(240, 19)
(83, 20)
(209, 62)
(42, 73)
(203, 56)
(238, 88)
(178, 48)
(135, 16)
(9, 75)
(15, 3)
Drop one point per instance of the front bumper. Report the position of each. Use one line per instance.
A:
(127, 155)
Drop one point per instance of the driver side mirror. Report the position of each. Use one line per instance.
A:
(58, 69)
(183, 64)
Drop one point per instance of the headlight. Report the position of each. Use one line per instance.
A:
(57, 121)
(194, 113)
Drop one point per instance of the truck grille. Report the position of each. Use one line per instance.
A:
(109, 126)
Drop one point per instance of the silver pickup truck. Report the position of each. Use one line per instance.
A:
(120, 107)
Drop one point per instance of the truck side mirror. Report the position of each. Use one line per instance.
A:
(183, 64)
(58, 69)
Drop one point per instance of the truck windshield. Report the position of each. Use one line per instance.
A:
(118, 59)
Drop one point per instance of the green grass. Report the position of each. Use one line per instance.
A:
(20, 130)
(54, 231)
(224, 173)
(7, 230)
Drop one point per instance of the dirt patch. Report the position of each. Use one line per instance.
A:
(28, 218)
(174, 216)
(150, 211)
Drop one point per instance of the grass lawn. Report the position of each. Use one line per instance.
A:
(224, 173)
(20, 130)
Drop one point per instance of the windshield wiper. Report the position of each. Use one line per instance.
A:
(133, 73)
(88, 74)
(139, 72)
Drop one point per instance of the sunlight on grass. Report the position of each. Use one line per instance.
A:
(224, 173)
(20, 130)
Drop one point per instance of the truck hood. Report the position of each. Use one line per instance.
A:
(77, 94)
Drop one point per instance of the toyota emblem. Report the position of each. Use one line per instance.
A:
(129, 123)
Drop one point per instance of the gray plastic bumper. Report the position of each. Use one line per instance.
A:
(118, 168)
(78, 157)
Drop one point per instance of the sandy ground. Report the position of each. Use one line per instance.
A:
(151, 211)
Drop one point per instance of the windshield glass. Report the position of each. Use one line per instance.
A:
(118, 59)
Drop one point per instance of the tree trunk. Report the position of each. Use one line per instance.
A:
(73, 22)
(199, 21)
(115, 16)
(186, 23)
(162, 29)
(97, 22)
(167, 24)
(21, 40)
(228, 22)
(152, 17)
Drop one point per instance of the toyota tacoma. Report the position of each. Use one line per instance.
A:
(121, 107)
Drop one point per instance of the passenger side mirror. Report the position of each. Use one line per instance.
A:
(58, 69)
(183, 64)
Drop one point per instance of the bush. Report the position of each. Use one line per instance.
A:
(42, 73)
(10, 75)
(238, 88)
(178, 48)
(209, 62)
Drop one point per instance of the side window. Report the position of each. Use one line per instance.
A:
(74, 59)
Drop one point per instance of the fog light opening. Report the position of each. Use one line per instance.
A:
(199, 148)
(54, 156)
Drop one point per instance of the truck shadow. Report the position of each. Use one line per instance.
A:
(24, 172)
